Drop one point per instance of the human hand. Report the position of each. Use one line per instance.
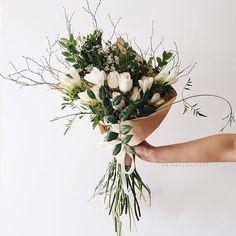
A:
(146, 152)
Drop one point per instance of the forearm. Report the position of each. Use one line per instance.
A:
(217, 148)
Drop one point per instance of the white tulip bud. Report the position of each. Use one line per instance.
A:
(155, 98)
(145, 83)
(158, 103)
(161, 76)
(113, 79)
(125, 82)
(171, 79)
(135, 94)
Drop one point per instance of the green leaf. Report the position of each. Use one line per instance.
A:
(111, 119)
(130, 150)
(91, 93)
(125, 129)
(63, 44)
(66, 54)
(166, 55)
(110, 136)
(125, 139)
(102, 93)
(158, 60)
(70, 59)
(117, 100)
(200, 114)
(71, 37)
(116, 150)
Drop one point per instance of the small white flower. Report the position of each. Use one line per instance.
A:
(145, 83)
(96, 76)
(125, 82)
(155, 98)
(72, 80)
(135, 94)
(113, 79)
(121, 104)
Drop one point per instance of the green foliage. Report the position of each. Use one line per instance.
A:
(116, 150)
(125, 129)
(110, 136)
(126, 138)
(110, 119)
(91, 93)
(166, 56)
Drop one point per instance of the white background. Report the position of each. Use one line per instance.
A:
(46, 179)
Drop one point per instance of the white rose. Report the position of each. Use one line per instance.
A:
(125, 82)
(70, 82)
(145, 83)
(135, 94)
(121, 104)
(96, 76)
(113, 79)
(155, 98)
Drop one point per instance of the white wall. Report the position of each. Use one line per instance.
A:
(46, 179)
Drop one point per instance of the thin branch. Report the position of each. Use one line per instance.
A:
(93, 14)
(114, 25)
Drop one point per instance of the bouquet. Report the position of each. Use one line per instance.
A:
(127, 94)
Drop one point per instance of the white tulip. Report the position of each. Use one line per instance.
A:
(96, 76)
(171, 79)
(121, 104)
(125, 82)
(135, 94)
(145, 83)
(166, 77)
(158, 103)
(155, 98)
(161, 76)
(113, 79)
(72, 80)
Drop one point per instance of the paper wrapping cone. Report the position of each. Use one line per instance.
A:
(144, 126)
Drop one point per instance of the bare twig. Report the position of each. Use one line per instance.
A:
(68, 19)
(114, 25)
(92, 14)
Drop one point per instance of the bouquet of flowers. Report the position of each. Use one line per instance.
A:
(125, 93)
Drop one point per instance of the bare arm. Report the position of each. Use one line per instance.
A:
(216, 148)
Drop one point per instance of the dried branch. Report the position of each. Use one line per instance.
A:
(92, 14)
(114, 25)
(68, 19)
